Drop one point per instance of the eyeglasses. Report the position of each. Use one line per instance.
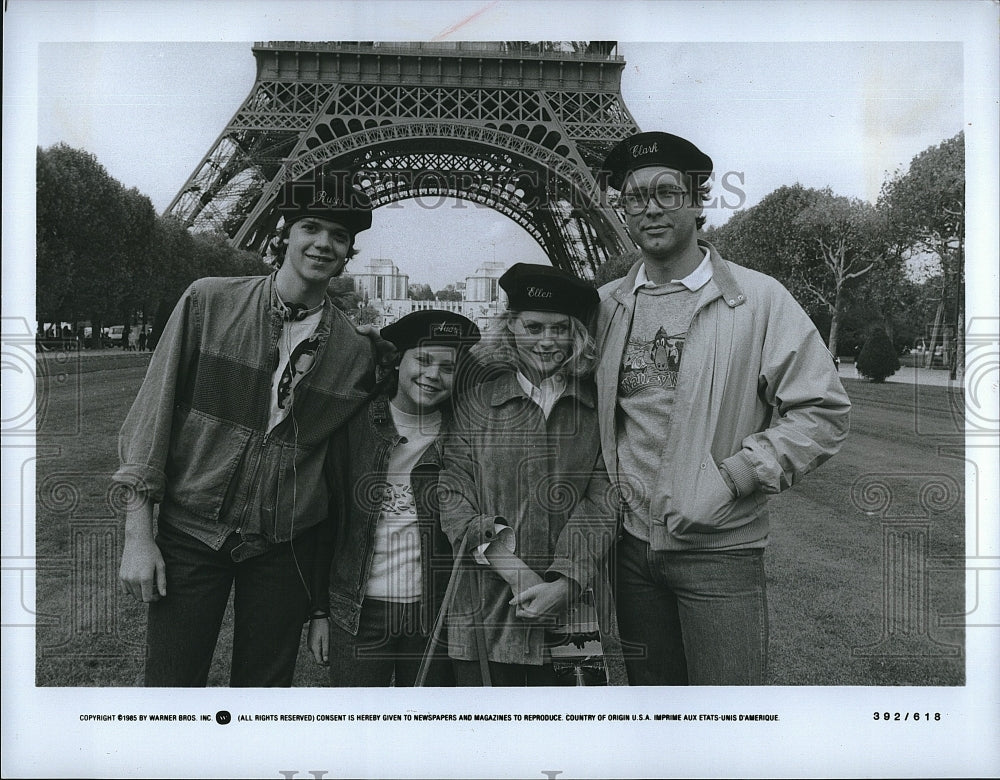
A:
(668, 198)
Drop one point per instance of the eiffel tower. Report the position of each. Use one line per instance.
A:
(518, 126)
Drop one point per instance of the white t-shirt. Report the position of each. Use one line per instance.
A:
(395, 569)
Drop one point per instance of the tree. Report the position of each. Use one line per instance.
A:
(764, 237)
(72, 225)
(129, 272)
(877, 359)
(449, 293)
(421, 292)
(925, 208)
(616, 267)
(847, 237)
(816, 243)
(56, 260)
(173, 257)
(345, 298)
(180, 257)
(368, 315)
(103, 253)
(93, 239)
(896, 302)
(215, 256)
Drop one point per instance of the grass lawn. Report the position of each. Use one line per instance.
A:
(865, 566)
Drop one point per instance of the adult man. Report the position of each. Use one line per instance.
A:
(228, 433)
(697, 355)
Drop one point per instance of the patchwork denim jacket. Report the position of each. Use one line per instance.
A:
(196, 438)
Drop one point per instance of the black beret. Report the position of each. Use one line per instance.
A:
(328, 197)
(645, 149)
(544, 288)
(431, 327)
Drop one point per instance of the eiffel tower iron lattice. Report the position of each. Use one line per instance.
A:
(516, 126)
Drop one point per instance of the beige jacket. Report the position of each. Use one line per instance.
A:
(757, 391)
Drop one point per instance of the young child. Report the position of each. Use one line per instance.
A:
(525, 485)
(229, 434)
(390, 562)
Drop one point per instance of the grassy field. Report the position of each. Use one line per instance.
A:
(865, 566)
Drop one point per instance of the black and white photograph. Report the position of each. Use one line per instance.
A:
(650, 384)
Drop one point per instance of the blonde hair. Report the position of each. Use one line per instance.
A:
(498, 347)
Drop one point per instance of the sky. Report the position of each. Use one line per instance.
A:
(839, 114)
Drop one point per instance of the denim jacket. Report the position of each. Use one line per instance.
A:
(196, 438)
(506, 464)
(359, 457)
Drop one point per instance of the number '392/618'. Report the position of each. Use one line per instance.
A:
(906, 716)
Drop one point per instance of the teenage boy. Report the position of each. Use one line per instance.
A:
(228, 434)
(714, 390)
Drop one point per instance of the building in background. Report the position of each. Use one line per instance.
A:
(380, 280)
(380, 284)
(482, 297)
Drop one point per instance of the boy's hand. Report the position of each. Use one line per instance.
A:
(319, 640)
(385, 350)
(143, 574)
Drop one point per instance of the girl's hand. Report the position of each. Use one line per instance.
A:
(545, 601)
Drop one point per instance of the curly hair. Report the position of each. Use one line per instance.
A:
(277, 245)
(498, 347)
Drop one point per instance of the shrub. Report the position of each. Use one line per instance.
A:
(877, 358)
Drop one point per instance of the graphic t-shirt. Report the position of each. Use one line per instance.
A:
(395, 569)
(297, 347)
(647, 383)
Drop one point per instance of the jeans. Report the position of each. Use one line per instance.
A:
(270, 604)
(388, 646)
(692, 617)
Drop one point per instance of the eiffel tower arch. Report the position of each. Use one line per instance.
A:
(520, 127)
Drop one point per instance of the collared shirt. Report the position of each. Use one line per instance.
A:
(695, 280)
(546, 394)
